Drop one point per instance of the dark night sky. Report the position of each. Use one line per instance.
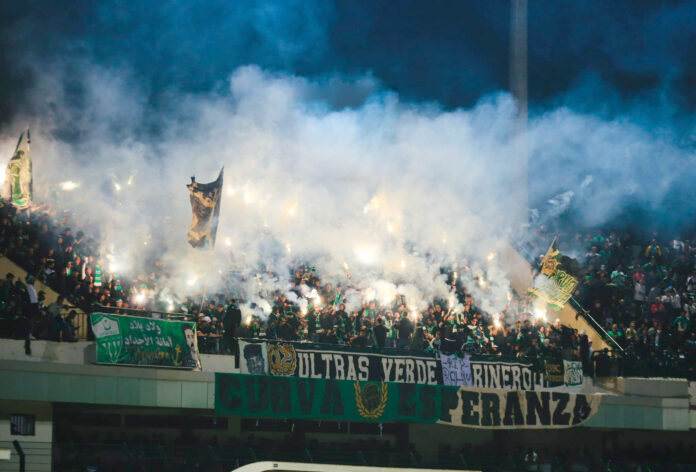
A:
(450, 52)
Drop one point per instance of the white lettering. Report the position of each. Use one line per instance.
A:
(327, 365)
(432, 369)
(351, 374)
(476, 370)
(363, 367)
(516, 378)
(386, 368)
(493, 376)
(338, 362)
(399, 370)
(410, 378)
(313, 369)
(302, 370)
(420, 372)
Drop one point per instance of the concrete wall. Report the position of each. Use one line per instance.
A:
(37, 448)
(83, 352)
(106, 385)
(429, 438)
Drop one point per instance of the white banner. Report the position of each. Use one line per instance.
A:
(456, 371)
(498, 409)
(572, 373)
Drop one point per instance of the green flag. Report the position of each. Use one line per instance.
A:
(18, 177)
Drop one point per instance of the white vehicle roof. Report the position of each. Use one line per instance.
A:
(269, 466)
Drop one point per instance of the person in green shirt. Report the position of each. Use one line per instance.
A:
(682, 324)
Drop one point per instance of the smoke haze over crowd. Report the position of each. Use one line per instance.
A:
(385, 162)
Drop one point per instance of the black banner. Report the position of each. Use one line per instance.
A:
(314, 361)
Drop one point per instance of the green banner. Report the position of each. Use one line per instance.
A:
(134, 340)
(260, 396)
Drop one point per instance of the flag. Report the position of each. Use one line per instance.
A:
(557, 279)
(18, 179)
(205, 204)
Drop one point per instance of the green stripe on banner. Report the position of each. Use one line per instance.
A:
(259, 396)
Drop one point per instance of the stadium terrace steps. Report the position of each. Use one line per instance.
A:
(81, 321)
(520, 273)
(7, 266)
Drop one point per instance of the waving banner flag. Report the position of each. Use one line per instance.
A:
(205, 204)
(555, 284)
(18, 178)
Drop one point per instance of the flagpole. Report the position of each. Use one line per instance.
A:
(518, 89)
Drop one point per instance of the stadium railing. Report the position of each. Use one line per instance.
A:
(621, 364)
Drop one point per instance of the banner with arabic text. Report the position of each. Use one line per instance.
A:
(134, 340)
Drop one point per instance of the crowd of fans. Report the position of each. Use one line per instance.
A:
(44, 244)
(642, 295)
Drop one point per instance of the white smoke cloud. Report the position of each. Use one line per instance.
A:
(386, 191)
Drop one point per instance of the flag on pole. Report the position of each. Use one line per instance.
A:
(18, 177)
(557, 279)
(205, 205)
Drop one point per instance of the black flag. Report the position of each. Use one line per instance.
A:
(205, 204)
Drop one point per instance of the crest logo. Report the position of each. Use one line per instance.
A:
(371, 399)
(109, 339)
(282, 359)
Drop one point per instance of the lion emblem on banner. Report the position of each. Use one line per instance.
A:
(282, 359)
(371, 399)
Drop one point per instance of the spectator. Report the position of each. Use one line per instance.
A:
(380, 333)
